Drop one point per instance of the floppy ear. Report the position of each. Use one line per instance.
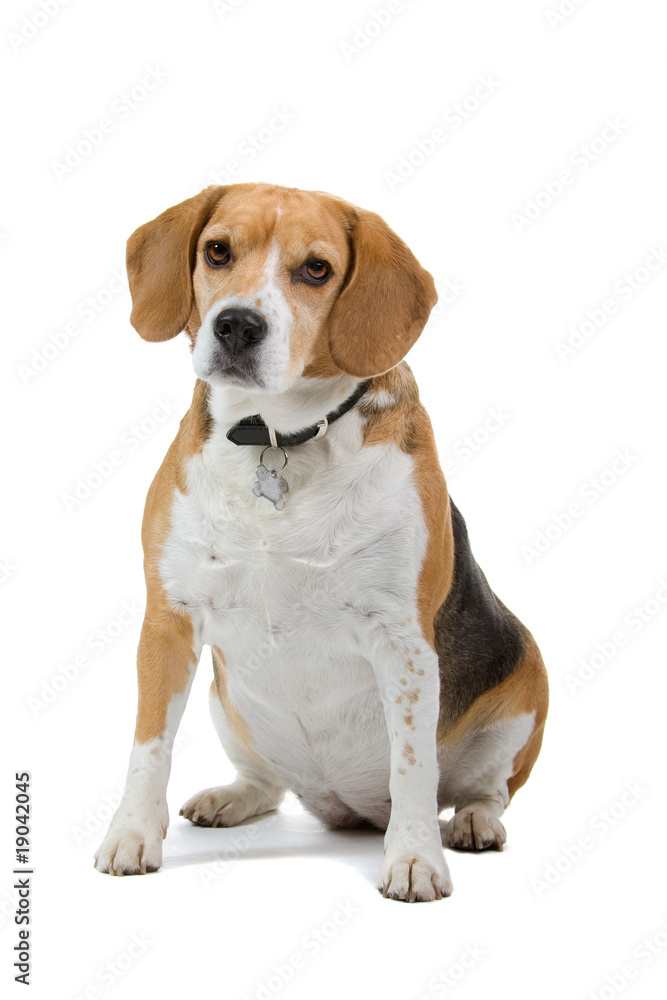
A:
(160, 259)
(384, 303)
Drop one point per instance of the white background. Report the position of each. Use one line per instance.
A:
(531, 921)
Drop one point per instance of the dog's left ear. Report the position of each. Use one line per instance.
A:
(384, 303)
(160, 258)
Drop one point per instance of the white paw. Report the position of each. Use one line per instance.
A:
(473, 829)
(229, 805)
(130, 851)
(415, 879)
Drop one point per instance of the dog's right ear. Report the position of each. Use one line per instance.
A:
(160, 260)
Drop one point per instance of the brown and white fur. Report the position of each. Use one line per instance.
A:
(361, 659)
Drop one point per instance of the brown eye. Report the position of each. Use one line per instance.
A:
(315, 271)
(217, 254)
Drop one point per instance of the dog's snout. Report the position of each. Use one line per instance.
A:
(238, 329)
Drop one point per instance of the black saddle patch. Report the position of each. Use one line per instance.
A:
(479, 642)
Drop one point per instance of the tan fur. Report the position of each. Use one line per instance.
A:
(160, 256)
(166, 644)
(321, 364)
(237, 723)
(437, 570)
(525, 690)
(405, 423)
(537, 695)
(391, 408)
(389, 289)
(163, 658)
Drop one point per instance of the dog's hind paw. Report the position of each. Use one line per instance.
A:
(229, 805)
(474, 829)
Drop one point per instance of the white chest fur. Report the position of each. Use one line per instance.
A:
(287, 597)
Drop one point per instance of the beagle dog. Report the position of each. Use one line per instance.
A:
(300, 525)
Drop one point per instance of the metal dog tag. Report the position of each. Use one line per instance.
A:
(269, 484)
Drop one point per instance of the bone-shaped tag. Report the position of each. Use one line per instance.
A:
(270, 485)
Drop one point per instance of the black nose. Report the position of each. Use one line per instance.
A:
(238, 329)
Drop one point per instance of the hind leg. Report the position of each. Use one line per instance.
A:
(475, 781)
(490, 754)
(256, 790)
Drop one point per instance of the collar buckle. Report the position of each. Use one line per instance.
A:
(322, 426)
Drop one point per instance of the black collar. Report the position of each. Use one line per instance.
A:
(253, 430)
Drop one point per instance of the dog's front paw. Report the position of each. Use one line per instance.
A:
(415, 879)
(473, 829)
(128, 850)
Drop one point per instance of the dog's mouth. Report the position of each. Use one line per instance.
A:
(234, 373)
(242, 348)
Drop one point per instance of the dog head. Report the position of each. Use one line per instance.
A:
(273, 283)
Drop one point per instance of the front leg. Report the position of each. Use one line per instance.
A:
(414, 867)
(166, 664)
